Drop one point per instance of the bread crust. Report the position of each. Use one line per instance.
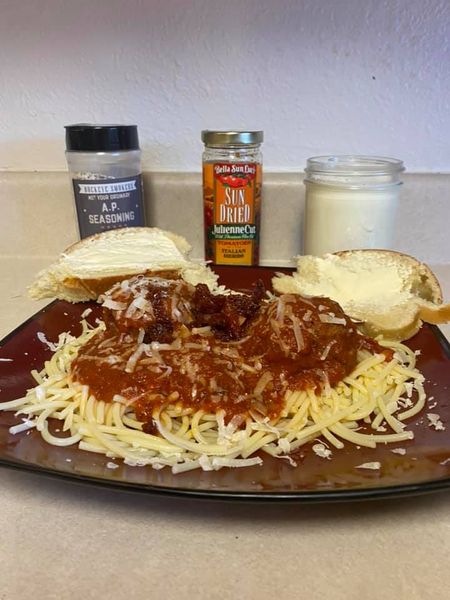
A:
(94, 287)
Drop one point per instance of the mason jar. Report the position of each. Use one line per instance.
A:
(351, 202)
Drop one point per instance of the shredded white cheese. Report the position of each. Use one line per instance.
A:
(289, 459)
(41, 337)
(326, 351)
(284, 445)
(332, 320)
(322, 451)
(114, 304)
(297, 332)
(435, 421)
(374, 466)
(263, 381)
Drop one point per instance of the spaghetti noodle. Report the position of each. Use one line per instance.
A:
(383, 390)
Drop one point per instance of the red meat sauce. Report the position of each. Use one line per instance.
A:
(169, 342)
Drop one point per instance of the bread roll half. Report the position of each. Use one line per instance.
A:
(390, 293)
(91, 266)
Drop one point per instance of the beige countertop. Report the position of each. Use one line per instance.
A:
(61, 540)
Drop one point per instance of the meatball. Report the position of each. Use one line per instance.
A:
(304, 334)
(157, 306)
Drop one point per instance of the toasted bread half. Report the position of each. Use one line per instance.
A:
(387, 292)
(91, 266)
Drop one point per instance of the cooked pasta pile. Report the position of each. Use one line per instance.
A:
(381, 393)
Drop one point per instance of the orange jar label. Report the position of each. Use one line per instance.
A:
(232, 204)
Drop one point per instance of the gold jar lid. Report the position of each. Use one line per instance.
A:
(231, 138)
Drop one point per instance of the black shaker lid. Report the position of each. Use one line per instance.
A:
(86, 137)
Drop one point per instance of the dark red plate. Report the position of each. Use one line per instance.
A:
(424, 468)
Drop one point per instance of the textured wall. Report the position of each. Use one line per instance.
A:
(319, 76)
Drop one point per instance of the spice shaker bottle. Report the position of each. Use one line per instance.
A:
(351, 202)
(232, 181)
(105, 166)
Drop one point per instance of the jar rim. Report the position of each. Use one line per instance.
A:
(218, 138)
(354, 164)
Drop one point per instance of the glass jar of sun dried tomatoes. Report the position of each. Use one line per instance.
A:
(232, 179)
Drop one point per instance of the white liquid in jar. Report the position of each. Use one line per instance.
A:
(351, 202)
(340, 218)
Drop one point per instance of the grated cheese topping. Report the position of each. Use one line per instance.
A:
(401, 451)
(322, 451)
(326, 318)
(434, 420)
(374, 466)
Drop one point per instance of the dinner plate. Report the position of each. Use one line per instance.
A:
(424, 467)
